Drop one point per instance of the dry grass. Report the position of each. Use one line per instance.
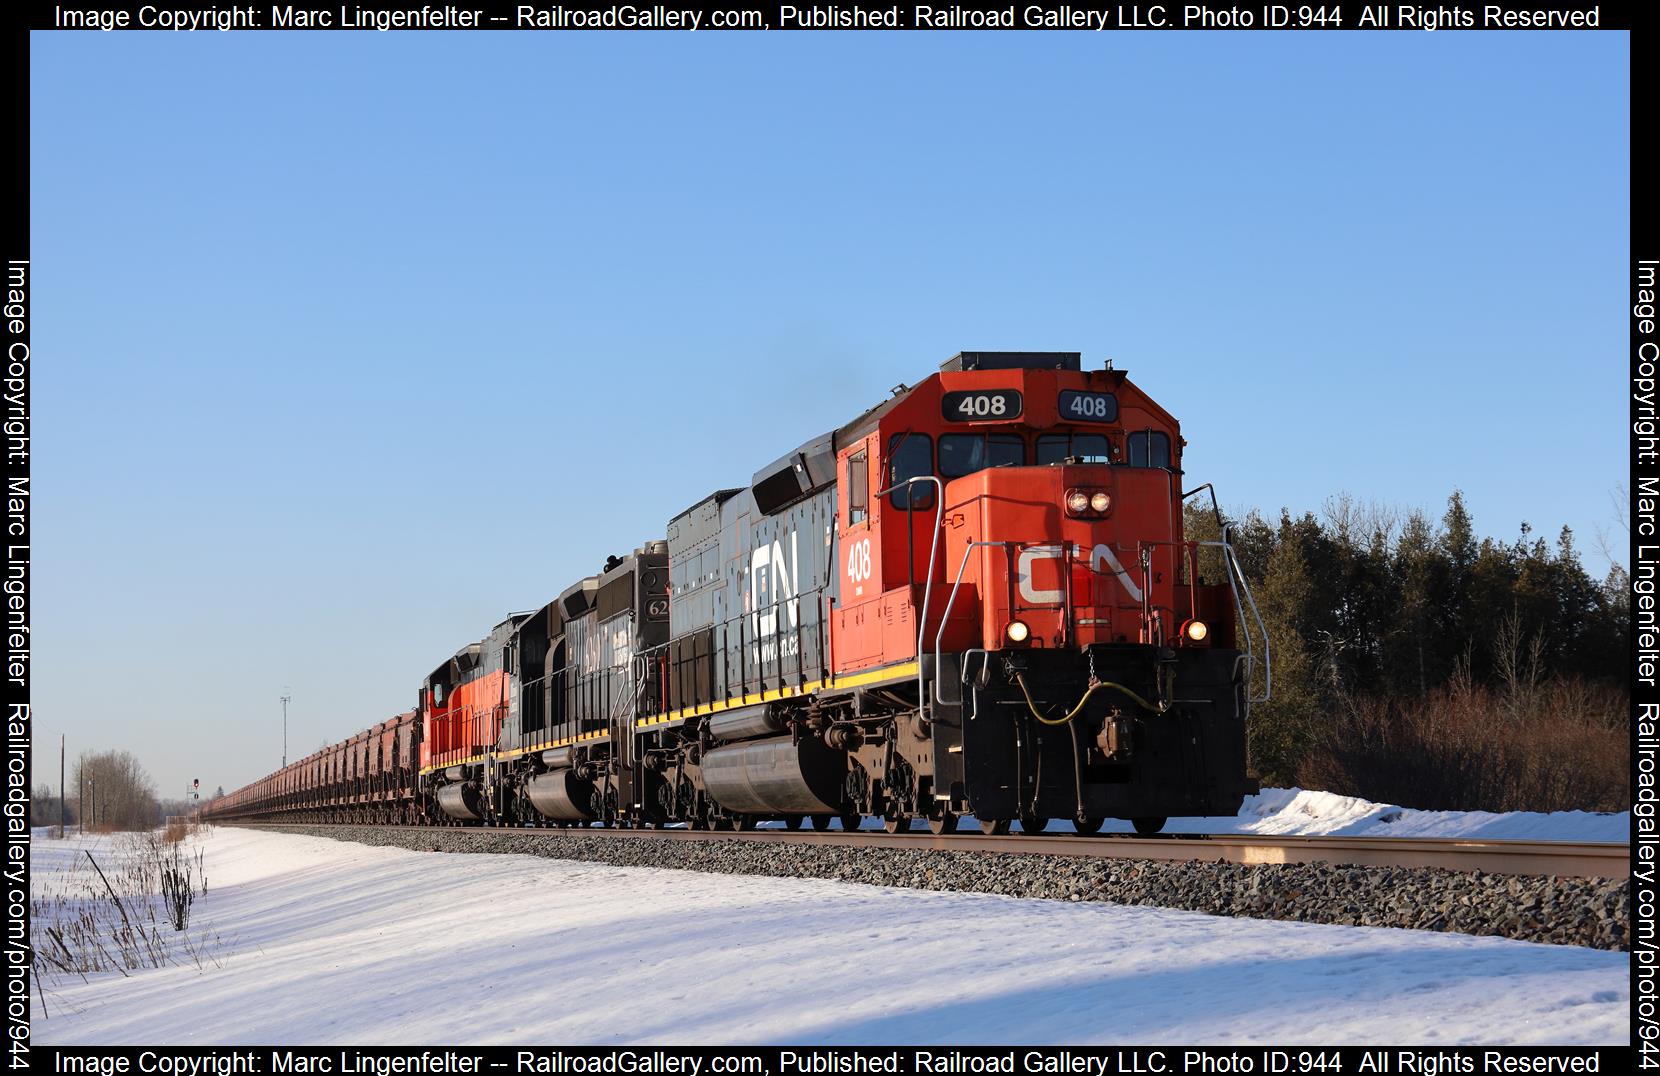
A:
(178, 829)
(1555, 745)
(121, 909)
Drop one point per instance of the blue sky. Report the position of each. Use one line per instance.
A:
(348, 344)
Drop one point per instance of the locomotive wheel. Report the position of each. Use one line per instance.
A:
(897, 823)
(851, 822)
(819, 821)
(1148, 826)
(1087, 825)
(1033, 823)
(944, 822)
(994, 827)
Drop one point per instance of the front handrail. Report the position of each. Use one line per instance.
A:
(1241, 588)
(945, 618)
(1238, 584)
(928, 586)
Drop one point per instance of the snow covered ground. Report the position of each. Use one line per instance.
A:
(327, 942)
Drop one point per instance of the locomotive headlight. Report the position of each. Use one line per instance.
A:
(1196, 631)
(1077, 502)
(1018, 632)
(1100, 501)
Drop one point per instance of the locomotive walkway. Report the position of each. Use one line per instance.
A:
(1559, 858)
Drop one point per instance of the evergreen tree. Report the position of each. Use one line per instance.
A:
(1279, 729)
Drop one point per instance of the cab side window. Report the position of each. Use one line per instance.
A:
(1149, 448)
(910, 455)
(858, 488)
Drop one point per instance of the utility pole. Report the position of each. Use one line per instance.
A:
(63, 789)
(285, 697)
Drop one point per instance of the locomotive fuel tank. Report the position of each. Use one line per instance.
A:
(747, 723)
(460, 801)
(776, 777)
(562, 796)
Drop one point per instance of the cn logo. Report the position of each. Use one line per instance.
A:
(774, 586)
(1101, 557)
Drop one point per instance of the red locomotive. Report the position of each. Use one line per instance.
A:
(977, 597)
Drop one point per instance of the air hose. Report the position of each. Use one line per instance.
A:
(1094, 685)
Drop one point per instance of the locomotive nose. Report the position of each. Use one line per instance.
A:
(1086, 551)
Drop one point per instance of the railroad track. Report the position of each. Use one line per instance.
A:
(1562, 858)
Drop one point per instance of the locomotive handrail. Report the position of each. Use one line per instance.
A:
(1221, 528)
(928, 586)
(945, 617)
(1241, 587)
(726, 686)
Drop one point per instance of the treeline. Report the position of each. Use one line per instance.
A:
(108, 790)
(1416, 664)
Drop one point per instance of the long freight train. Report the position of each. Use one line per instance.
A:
(978, 597)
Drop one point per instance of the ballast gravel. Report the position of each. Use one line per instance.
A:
(1588, 912)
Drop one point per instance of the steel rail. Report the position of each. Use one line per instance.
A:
(1576, 859)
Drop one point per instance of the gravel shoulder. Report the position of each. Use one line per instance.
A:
(1595, 913)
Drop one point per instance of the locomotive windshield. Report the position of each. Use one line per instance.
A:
(965, 453)
(1090, 447)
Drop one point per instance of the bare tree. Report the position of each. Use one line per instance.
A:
(115, 792)
(1518, 657)
(1620, 498)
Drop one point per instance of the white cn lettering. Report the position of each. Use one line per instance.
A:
(1103, 555)
(1100, 557)
(774, 586)
(1023, 574)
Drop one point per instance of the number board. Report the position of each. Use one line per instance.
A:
(994, 405)
(1089, 406)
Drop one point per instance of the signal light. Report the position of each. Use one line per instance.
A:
(1196, 631)
(1100, 501)
(1017, 631)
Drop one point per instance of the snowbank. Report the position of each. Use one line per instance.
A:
(1299, 811)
